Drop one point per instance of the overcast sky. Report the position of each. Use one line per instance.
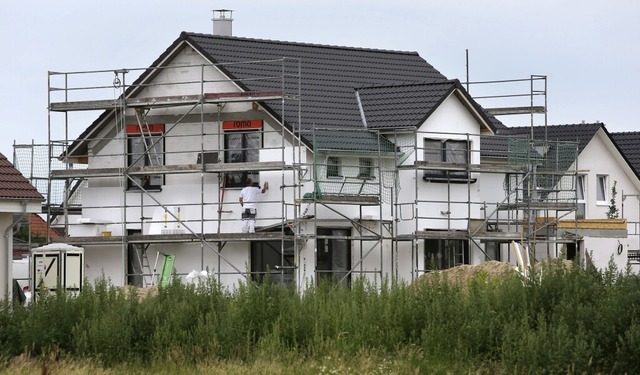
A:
(588, 49)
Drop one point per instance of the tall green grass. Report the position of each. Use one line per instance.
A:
(558, 321)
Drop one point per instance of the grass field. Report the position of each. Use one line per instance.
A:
(561, 321)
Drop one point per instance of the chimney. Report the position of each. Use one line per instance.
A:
(222, 20)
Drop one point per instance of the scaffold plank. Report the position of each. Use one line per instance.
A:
(171, 169)
(345, 199)
(171, 238)
(516, 110)
(165, 101)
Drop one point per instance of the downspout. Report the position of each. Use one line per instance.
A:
(8, 236)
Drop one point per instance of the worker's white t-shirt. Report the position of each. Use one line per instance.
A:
(249, 195)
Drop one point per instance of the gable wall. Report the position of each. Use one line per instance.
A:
(183, 142)
(600, 157)
(450, 121)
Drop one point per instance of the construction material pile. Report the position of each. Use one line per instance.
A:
(489, 271)
(461, 275)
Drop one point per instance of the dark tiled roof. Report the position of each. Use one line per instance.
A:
(496, 145)
(580, 133)
(407, 105)
(402, 106)
(13, 185)
(329, 76)
(629, 145)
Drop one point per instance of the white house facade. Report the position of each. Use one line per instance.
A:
(367, 177)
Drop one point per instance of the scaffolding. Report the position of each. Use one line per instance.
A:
(156, 133)
(538, 183)
(163, 157)
(353, 168)
(148, 139)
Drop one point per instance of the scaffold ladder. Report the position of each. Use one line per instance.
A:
(147, 139)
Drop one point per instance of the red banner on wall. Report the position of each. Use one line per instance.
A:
(147, 129)
(242, 125)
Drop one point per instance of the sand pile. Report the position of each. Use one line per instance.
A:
(464, 273)
(491, 270)
(141, 293)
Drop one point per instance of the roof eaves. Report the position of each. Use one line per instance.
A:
(624, 156)
(475, 108)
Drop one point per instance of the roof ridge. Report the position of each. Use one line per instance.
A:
(330, 46)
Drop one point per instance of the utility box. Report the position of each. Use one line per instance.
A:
(56, 266)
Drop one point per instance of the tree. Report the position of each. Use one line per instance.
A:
(613, 212)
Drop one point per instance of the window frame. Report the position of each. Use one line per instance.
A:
(365, 168)
(326, 256)
(440, 248)
(602, 189)
(581, 196)
(334, 167)
(493, 251)
(153, 139)
(267, 257)
(247, 154)
(445, 154)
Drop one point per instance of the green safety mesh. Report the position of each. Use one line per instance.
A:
(32, 160)
(352, 163)
(552, 167)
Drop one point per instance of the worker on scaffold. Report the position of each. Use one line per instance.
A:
(248, 197)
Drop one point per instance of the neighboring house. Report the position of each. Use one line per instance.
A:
(17, 196)
(628, 143)
(373, 158)
(30, 232)
(600, 166)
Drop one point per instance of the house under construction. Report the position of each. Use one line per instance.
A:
(368, 176)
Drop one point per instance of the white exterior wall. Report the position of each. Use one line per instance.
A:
(603, 250)
(452, 120)
(600, 157)
(6, 256)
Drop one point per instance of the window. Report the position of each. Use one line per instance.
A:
(602, 182)
(145, 150)
(333, 258)
(274, 259)
(580, 197)
(334, 166)
(492, 251)
(365, 170)
(446, 151)
(443, 254)
(242, 147)
(135, 254)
